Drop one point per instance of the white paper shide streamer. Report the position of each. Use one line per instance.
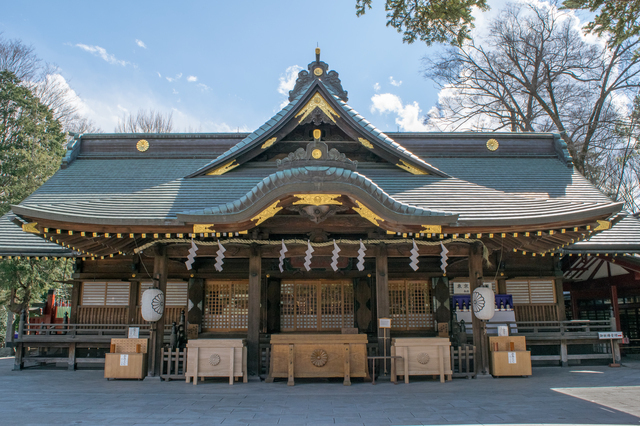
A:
(219, 257)
(307, 258)
(334, 258)
(192, 255)
(443, 258)
(281, 258)
(361, 252)
(414, 256)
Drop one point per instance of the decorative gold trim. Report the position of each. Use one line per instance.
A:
(408, 167)
(492, 144)
(142, 145)
(365, 143)
(203, 228)
(30, 227)
(317, 101)
(602, 225)
(367, 214)
(224, 168)
(317, 133)
(316, 153)
(318, 71)
(267, 213)
(317, 199)
(431, 229)
(269, 142)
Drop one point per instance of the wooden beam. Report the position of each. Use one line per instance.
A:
(382, 293)
(614, 304)
(479, 338)
(160, 271)
(253, 332)
(134, 291)
(75, 301)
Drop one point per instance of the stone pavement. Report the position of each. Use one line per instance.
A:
(553, 395)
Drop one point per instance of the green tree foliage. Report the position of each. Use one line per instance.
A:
(430, 21)
(450, 21)
(31, 142)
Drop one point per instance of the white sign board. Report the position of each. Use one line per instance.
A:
(134, 332)
(384, 322)
(610, 335)
(503, 330)
(461, 288)
(124, 360)
(512, 357)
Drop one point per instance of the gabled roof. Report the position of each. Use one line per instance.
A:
(16, 242)
(622, 237)
(318, 92)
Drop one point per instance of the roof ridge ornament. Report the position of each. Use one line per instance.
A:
(318, 70)
(317, 153)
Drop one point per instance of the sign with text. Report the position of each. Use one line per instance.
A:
(503, 330)
(124, 360)
(610, 335)
(512, 357)
(384, 322)
(134, 332)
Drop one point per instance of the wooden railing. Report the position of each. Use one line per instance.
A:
(102, 314)
(171, 314)
(34, 332)
(540, 312)
(555, 329)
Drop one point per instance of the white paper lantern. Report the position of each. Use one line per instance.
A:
(152, 304)
(484, 303)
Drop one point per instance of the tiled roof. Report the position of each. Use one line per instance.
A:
(15, 242)
(623, 237)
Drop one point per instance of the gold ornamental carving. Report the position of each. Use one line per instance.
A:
(267, 213)
(142, 145)
(317, 199)
(224, 168)
(318, 71)
(214, 360)
(368, 214)
(317, 133)
(365, 143)
(431, 229)
(203, 228)
(30, 227)
(319, 357)
(408, 167)
(317, 101)
(423, 358)
(316, 153)
(492, 144)
(269, 142)
(602, 225)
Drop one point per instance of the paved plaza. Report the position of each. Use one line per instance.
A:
(553, 395)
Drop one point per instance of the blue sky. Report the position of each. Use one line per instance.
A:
(120, 56)
(223, 66)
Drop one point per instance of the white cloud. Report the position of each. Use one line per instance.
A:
(141, 44)
(169, 79)
(178, 76)
(159, 75)
(409, 115)
(203, 87)
(192, 79)
(394, 82)
(175, 92)
(287, 82)
(376, 87)
(102, 53)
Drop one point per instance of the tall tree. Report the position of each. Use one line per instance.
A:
(451, 21)
(535, 72)
(145, 122)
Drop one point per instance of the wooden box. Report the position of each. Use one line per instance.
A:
(509, 356)
(216, 358)
(127, 359)
(421, 356)
(318, 355)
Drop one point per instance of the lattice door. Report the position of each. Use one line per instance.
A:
(226, 306)
(316, 305)
(410, 305)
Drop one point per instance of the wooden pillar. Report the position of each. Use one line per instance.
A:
(562, 314)
(160, 271)
(253, 332)
(479, 337)
(382, 295)
(134, 295)
(616, 308)
(75, 301)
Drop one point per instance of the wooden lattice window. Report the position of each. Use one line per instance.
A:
(226, 306)
(537, 291)
(319, 305)
(410, 306)
(105, 294)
